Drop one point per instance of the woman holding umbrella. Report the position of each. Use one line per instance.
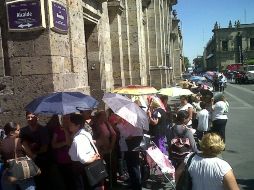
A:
(105, 137)
(158, 125)
(131, 132)
(185, 106)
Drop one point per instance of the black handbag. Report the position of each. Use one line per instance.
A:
(185, 181)
(96, 171)
(21, 168)
(138, 143)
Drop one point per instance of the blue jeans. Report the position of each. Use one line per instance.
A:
(26, 184)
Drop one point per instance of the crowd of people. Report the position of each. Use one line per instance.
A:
(68, 143)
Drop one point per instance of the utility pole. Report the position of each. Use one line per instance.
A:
(245, 17)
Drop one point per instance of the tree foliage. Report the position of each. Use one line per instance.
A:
(186, 62)
(250, 62)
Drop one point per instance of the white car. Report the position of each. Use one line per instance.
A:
(250, 73)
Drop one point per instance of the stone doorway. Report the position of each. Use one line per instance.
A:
(93, 61)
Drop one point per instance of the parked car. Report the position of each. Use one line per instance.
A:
(240, 77)
(186, 76)
(234, 67)
(250, 73)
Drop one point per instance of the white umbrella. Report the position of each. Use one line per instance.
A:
(127, 110)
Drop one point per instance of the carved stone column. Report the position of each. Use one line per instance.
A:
(115, 10)
(132, 31)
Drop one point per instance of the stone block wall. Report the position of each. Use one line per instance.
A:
(42, 62)
(109, 44)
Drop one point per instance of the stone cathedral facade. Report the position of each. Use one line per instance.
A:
(108, 44)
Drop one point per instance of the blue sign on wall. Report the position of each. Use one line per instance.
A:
(58, 17)
(25, 15)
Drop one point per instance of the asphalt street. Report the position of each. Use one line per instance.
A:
(240, 133)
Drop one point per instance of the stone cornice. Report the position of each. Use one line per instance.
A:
(173, 2)
(175, 21)
(91, 10)
(91, 16)
(145, 3)
(116, 5)
(101, 1)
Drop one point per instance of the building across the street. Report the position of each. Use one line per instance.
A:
(91, 46)
(231, 45)
(198, 64)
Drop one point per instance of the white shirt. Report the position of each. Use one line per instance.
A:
(219, 111)
(127, 130)
(82, 148)
(203, 118)
(186, 107)
(207, 173)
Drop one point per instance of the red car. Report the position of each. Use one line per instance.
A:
(234, 67)
(240, 77)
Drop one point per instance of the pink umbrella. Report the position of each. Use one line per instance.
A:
(210, 73)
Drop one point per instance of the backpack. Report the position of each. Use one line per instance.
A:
(180, 147)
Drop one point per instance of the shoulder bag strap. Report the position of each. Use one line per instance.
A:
(109, 130)
(94, 148)
(15, 147)
(185, 131)
(189, 160)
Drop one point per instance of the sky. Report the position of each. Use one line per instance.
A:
(199, 16)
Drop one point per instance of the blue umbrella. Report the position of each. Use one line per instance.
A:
(197, 78)
(61, 103)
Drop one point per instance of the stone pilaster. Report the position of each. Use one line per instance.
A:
(115, 20)
(143, 47)
(147, 44)
(133, 13)
(163, 10)
(126, 44)
(105, 50)
(158, 29)
(1, 56)
(154, 43)
(176, 48)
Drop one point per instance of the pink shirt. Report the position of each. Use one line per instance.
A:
(61, 154)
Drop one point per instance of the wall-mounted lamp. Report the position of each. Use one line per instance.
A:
(93, 67)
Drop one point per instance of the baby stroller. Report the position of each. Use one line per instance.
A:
(160, 164)
(154, 162)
